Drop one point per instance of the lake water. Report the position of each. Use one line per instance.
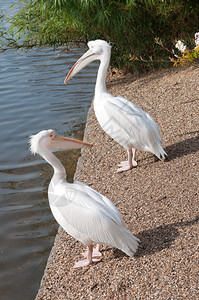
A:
(33, 97)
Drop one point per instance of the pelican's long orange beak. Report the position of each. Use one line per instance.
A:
(84, 60)
(61, 142)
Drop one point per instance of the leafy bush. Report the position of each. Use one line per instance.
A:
(132, 26)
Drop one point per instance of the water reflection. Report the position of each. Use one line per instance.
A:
(32, 98)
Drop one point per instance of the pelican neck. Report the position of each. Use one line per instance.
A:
(100, 86)
(59, 169)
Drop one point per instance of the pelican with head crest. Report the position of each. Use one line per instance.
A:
(122, 120)
(82, 212)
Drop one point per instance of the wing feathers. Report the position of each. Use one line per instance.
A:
(138, 127)
(91, 217)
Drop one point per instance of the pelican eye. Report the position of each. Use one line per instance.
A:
(51, 135)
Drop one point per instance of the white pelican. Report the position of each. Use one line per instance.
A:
(88, 216)
(122, 120)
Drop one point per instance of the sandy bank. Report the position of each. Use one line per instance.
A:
(158, 201)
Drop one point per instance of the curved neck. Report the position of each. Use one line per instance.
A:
(59, 169)
(100, 86)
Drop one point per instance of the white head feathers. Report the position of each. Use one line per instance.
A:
(37, 140)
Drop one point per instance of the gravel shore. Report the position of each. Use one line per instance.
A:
(158, 200)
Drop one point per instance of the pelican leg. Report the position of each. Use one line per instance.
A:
(128, 164)
(96, 252)
(88, 261)
(134, 162)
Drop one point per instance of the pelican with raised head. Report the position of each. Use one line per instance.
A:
(122, 120)
(85, 214)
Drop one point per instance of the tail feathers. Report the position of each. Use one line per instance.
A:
(162, 153)
(129, 243)
(159, 152)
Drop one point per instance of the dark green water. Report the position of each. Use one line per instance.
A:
(33, 97)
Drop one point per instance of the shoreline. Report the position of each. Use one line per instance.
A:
(158, 201)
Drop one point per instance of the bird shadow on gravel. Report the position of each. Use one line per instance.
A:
(157, 239)
(177, 150)
(183, 148)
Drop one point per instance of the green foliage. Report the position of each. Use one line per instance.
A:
(130, 25)
(6, 37)
(2, 29)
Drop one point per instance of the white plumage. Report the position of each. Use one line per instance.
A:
(124, 121)
(85, 214)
